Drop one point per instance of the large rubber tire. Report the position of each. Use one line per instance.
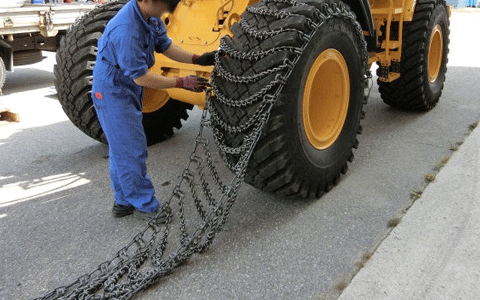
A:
(424, 59)
(3, 74)
(73, 80)
(286, 160)
(23, 58)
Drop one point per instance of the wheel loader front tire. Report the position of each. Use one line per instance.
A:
(424, 59)
(73, 80)
(313, 125)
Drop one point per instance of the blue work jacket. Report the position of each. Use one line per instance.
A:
(126, 52)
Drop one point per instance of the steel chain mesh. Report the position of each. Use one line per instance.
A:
(150, 255)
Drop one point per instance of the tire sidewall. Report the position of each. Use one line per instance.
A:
(439, 17)
(3, 73)
(78, 106)
(327, 162)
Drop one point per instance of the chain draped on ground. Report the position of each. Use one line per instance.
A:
(190, 229)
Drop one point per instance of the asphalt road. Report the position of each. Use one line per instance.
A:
(55, 196)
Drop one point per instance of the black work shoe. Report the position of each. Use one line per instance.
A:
(147, 216)
(119, 211)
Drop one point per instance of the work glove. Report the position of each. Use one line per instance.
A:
(192, 83)
(206, 59)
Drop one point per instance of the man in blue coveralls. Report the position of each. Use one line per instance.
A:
(125, 54)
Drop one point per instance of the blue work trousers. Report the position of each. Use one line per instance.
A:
(120, 115)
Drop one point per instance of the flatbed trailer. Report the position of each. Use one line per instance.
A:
(28, 29)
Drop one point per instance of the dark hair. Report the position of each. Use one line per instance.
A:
(172, 4)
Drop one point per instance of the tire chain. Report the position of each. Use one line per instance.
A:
(126, 274)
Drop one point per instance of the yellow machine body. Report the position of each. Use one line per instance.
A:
(198, 25)
(384, 14)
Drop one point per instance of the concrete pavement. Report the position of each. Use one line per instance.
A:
(433, 253)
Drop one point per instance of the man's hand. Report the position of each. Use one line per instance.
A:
(192, 83)
(206, 59)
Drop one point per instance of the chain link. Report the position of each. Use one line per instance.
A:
(144, 260)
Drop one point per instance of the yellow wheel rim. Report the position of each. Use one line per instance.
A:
(435, 53)
(154, 99)
(326, 98)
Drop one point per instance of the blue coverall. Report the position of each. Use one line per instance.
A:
(126, 52)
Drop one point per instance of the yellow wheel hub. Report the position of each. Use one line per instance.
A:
(435, 53)
(326, 98)
(154, 99)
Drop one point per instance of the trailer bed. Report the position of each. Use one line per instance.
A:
(48, 19)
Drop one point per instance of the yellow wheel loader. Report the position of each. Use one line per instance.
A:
(310, 58)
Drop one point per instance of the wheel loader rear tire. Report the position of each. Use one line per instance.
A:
(424, 59)
(73, 80)
(306, 143)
